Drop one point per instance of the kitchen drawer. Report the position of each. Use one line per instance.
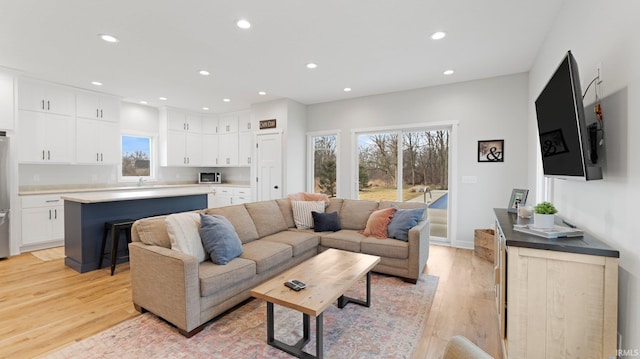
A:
(42, 201)
(246, 192)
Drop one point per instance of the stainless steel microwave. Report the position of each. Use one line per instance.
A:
(210, 177)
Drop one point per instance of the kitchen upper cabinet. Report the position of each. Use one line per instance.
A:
(245, 145)
(210, 151)
(210, 125)
(98, 107)
(228, 123)
(46, 137)
(180, 121)
(180, 138)
(228, 149)
(44, 97)
(97, 142)
(244, 122)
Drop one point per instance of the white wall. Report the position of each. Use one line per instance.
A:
(291, 121)
(606, 33)
(488, 109)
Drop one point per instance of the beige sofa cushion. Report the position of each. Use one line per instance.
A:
(354, 213)
(151, 231)
(345, 239)
(266, 254)
(287, 212)
(335, 204)
(215, 278)
(391, 248)
(266, 217)
(300, 241)
(241, 220)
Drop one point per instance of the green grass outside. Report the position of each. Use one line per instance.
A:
(387, 194)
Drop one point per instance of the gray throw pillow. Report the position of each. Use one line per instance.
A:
(403, 220)
(219, 238)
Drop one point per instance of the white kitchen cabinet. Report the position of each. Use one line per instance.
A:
(241, 195)
(210, 150)
(6, 102)
(44, 97)
(46, 137)
(209, 125)
(42, 221)
(97, 107)
(180, 139)
(245, 146)
(221, 196)
(97, 142)
(228, 123)
(244, 122)
(228, 149)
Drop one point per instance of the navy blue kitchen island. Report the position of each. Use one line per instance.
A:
(86, 213)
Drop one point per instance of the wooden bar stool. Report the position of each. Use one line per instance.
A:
(115, 226)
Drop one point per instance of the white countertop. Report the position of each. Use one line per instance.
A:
(128, 195)
(38, 190)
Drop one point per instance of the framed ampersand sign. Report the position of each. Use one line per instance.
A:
(491, 151)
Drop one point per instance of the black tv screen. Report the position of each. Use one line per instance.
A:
(563, 133)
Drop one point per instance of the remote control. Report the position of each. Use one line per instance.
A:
(298, 283)
(292, 286)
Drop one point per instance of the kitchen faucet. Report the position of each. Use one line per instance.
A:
(140, 182)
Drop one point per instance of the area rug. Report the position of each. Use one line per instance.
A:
(390, 328)
(50, 254)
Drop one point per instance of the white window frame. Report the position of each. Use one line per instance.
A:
(153, 157)
(310, 185)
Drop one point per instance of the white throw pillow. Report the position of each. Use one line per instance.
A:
(302, 212)
(184, 234)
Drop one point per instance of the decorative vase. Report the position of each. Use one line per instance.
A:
(543, 221)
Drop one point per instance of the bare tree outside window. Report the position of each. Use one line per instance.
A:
(136, 156)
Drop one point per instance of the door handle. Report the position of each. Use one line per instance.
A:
(275, 187)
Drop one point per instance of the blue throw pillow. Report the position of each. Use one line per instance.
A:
(219, 238)
(403, 220)
(325, 222)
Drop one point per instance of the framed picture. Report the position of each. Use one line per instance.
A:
(491, 151)
(517, 196)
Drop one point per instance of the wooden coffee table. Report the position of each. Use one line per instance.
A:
(327, 276)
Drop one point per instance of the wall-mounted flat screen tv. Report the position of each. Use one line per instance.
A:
(565, 141)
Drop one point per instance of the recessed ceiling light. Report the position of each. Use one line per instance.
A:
(96, 83)
(347, 89)
(162, 98)
(311, 65)
(204, 72)
(226, 100)
(448, 72)
(205, 108)
(143, 102)
(438, 35)
(243, 24)
(109, 38)
(262, 93)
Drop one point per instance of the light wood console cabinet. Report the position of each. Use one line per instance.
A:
(556, 298)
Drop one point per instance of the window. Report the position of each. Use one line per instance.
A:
(323, 163)
(407, 165)
(137, 157)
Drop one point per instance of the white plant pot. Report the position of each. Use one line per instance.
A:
(543, 221)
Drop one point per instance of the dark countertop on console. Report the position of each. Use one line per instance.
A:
(586, 244)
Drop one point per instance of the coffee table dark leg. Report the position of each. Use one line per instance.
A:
(344, 300)
(296, 349)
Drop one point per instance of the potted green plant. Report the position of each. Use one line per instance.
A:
(544, 215)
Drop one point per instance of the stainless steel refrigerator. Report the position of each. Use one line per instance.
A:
(4, 196)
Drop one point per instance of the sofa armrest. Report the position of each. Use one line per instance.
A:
(418, 248)
(165, 282)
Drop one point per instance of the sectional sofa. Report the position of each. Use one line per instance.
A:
(188, 292)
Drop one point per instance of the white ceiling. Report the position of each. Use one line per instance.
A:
(372, 46)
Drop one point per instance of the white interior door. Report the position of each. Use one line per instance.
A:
(269, 158)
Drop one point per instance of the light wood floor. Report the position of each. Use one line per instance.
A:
(45, 306)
